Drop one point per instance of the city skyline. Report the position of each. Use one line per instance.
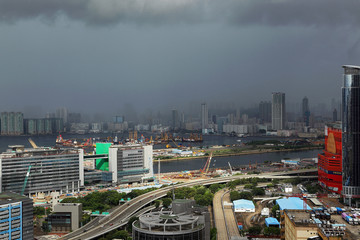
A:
(98, 56)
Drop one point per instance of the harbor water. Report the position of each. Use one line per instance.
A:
(180, 165)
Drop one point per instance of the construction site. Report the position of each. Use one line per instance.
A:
(133, 137)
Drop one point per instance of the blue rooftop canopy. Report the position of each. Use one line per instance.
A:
(271, 222)
(243, 203)
(293, 203)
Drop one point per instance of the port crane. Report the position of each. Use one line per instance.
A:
(33, 144)
(177, 145)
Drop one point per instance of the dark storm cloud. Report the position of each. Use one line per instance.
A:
(241, 12)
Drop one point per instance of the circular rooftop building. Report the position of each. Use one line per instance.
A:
(166, 225)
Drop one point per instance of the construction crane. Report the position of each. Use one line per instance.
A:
(26, 180)
(207, 164)
(33, 144)
(230, 168)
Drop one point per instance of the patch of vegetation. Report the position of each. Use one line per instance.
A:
(255, 230)
(40, 211)
(271, 231)
(235, 195)
(202, 195)
(274, 209)
(258, 191)
(103, 201)
(213, 233)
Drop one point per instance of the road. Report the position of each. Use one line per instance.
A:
(231, 223)
(219, 215)
(118, 216)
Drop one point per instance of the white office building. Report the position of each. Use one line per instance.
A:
(131, 163)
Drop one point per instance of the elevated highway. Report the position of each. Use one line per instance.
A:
(120, 214)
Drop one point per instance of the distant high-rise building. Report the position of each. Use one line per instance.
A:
(305, 110)
(182, 120)
(204, 116)
(214, 119)
(74, 118)
(278, 111)
(50, 115)
(118, 119)
(175, 123)
(265, 111)
(237, 116)
(12, 123)
(62, 113)
(231, 118)
(351, 132)
(335, 115)
(30, 126)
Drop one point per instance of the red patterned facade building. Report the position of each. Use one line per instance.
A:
(330, 161)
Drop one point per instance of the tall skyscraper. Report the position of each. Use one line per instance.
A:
(351, 132)
(278, 111)
(305, 110)
(12, 123)
(334, 115)
(204, 116)
(175, 123)
(62, 113)
(265, 111)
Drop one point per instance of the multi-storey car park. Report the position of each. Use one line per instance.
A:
(30, 171)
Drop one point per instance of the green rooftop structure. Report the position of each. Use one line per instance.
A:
(102, 163)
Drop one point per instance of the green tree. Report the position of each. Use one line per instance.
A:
(200, 190)
(157, 203)
(130, 222)
(213, 233)
(272, 231)
(248, 186)
(246, 195)
(45, 226)
(258, 192)
(274, 209)
(166, 202)
(40, 211)
(122, 234)
(214, 187)
(231, 185)
(255, 230)
(234, 195)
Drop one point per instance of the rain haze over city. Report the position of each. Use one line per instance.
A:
(140, 57)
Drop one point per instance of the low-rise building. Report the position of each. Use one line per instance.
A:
(66, 217)
(299, 226)
(243, 205)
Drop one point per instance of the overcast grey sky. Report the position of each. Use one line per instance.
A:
(97, 55)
